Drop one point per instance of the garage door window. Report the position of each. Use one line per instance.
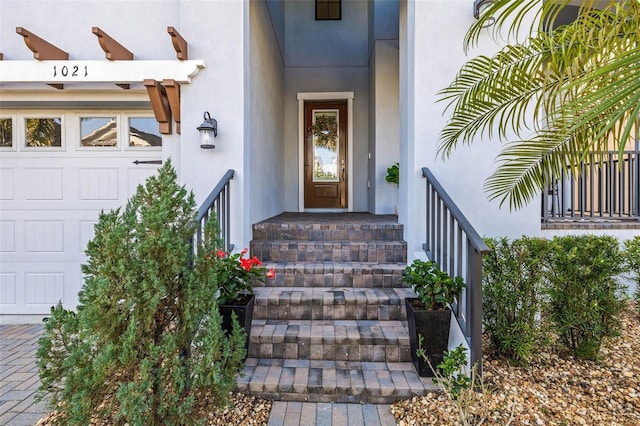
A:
(6, 132)
(43, 132)
(98, 131)
(144, 132)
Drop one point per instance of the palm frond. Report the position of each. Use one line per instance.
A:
(577, 87)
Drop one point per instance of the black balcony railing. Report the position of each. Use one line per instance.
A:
(457, 248)
(217, 204)
(605, 188)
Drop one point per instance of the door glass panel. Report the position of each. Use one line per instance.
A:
(144, 132)
(325, 145)
(43, 132)
(98, 131)
(6, 132)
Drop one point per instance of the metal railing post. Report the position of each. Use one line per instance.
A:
(217, 203)
(443, 218)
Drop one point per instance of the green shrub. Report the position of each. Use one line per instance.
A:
(585, 297)
(146, 338)
(632, 262)
(513, 275)
(435, 288)
(453, 370)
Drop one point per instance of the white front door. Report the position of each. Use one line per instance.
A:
(58, 170)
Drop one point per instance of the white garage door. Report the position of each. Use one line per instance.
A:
(58, 170)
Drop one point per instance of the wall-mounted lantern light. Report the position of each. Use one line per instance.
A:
(478, 7)
(208, 131)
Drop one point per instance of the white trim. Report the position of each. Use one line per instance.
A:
(23, 147)
(78, 71)
(126, 136)
(327, 96)
(14, 139)
(324, 96)
(33, 99)
(77, 117)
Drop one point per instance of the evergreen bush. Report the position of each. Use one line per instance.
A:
(513, 276)
(585, 298)
(146, 338)
(632, 262)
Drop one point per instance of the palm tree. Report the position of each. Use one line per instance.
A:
(566, 91)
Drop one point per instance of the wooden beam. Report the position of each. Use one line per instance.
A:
(172, 88)
(179, 44)
(42, 49)
(1, 56)
(112, 49)
(160, 105)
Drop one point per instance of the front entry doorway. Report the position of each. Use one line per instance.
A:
(325, 155)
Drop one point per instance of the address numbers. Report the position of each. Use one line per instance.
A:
(70, 71)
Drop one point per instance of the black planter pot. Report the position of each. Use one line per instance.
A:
(243, 307)
(434, 327)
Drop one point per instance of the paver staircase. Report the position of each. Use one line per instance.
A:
(332, 325)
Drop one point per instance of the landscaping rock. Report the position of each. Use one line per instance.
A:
(552, 390)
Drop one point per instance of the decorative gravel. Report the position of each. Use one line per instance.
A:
(245, 410)
(553, 390)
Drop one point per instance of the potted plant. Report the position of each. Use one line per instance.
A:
(393, 174)
(236, 275)
(393, 177)
(428, 314)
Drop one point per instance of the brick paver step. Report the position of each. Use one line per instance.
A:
(358, 227)
(347, 340)
(337, 381)
(325, 303)
(330, 326)
(334, 274)
(330, 251)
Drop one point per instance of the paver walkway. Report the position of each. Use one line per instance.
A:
(19, 375)
(19, 382)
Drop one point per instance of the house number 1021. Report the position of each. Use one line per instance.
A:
(70, 71)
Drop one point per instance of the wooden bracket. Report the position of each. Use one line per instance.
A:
(1, 56)
(160, 105)
(172, 88)
(179, 44)
(112, 49)
(42, 49)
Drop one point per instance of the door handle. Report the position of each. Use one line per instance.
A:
(147, 162)
(342, 175)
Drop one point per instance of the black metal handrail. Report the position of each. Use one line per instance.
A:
(605, 187)
(454, 244)
(218, 203)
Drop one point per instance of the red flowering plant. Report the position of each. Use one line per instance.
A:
(236, 274)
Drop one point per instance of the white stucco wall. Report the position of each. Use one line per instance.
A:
(384, 126)
(264, 144)
(216, 33)
(386, 143)
(67, 24)
(433, 53)
(311, 43)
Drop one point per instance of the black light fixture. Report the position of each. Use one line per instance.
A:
(208, 131)
(478, 7)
